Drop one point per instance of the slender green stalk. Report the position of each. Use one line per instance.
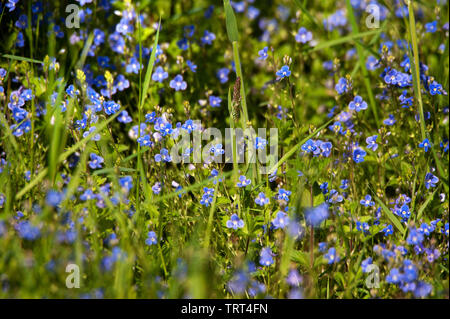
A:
(210, 218)
(237, 64)
(415, 67)
(362, 63)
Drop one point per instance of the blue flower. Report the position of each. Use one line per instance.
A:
(324, 187)
(261, 199)
(262, 54)
(357, 104)
(430, 180)
(214, 101)
(163, 127)
(252, 12)
(222, 75)
(303, 35)
(189, 126)
(183, 44)
(11, 5)
(335, 197)
(191, 66)
(208, 37)
(372, 63)
(96, 161)
(217, 150)
(367, 201)
(435, 88)
(234, 222)
(390, 120)
(133, 66)
(207, 196)
(150, 117)
(405, 64)
(152, 239)
(53, 198)
(403, 212)
(323, 247)
(294, 279)
(124, 26)
(394, 276)
(425, 144)
(266, 257)
(281, 220)
(391, 77)
(163, 156)
(238, 283)
(331, 256)
(316, 215)
(342, 86)
(283, 194)
(27, 231)
(145, 141)
(2, 199)
(178, 84)
(444, 145)
(344, 184)
(159, 75)
(431, 27)
(365, 264)
(326, 149)
(388, 230)
(124, 117)
(371, 142)
(260, 143)
(415, 237)
(156, 188)
(336, 127)
(243, 181)
(22, 22)
(422, 290)
(189, 30)
(88, 194)
(126, 183)
(358, 155)
(309, 146)
(111, 107)
(363, 227)
(283, 72)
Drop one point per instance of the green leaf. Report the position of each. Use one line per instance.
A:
(424, 205)
(302, 7)
(232, 30)
(150, 65)
(295, 148)
(391, 216)
(349, 38)
(19, 58)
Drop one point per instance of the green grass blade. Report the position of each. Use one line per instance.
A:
(391, 216)
(296, 147)
(362, 63)
(20, 58)
(302, 7)
(341, 40)
(232, 29)
(151, 63)
(65, 155)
